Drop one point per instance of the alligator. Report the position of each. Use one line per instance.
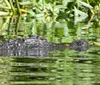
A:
(37, 46)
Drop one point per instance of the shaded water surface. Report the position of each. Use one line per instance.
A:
(63, 68)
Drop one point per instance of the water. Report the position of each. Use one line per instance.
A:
(66, 67)
(63, 68)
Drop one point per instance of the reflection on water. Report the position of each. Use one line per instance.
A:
(63, 68)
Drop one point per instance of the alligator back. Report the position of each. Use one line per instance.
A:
(32, 46)
(37, 46)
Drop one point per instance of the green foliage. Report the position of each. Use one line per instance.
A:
(57, 20)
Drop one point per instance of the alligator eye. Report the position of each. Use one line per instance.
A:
(41, 38)
(80, 42)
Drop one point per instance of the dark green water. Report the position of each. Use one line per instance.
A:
(63, 68)
(66, 67)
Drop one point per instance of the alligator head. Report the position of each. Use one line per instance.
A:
(79, 45)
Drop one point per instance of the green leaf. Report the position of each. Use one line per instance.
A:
(79, 15)
(86, 5)
(3, 13)
(65, 2)
(25, 3)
